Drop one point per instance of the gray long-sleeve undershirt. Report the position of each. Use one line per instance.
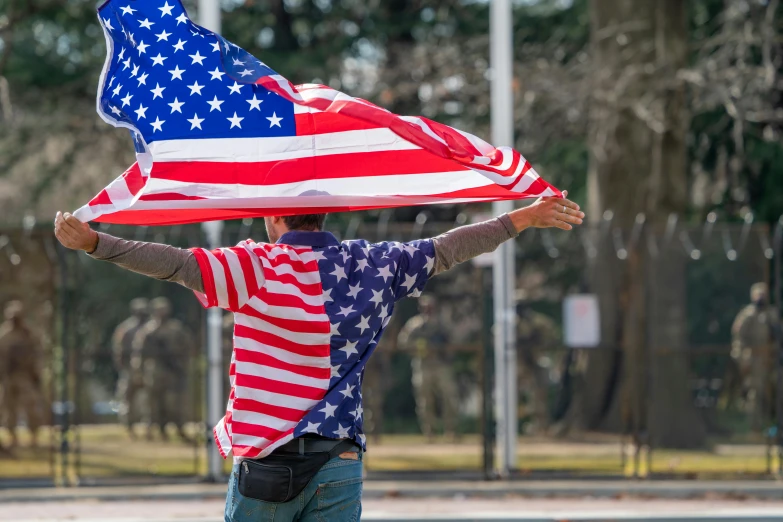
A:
(177, 265)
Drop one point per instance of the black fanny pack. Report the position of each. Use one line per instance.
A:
(280, 477)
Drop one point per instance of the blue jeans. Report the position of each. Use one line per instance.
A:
(334, 495)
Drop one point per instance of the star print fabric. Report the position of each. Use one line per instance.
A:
(309, 312)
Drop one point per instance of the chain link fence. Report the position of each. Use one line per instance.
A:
(674, 387)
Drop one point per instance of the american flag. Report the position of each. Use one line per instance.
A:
(308, 313)
(220, 135)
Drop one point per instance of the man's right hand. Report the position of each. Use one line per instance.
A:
(74, 234)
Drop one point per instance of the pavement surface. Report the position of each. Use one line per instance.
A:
(458, 509)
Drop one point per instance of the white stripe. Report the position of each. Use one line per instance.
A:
(284, 312)
(245, 343)
(276, 287)
(222, 437)
(238, 276)
(259, 419)
(220, 279)
(308, 339)
(276, 374)
(304, 257)
(251, 150)
(274, 399)
(306, 278)
(322, 189)
(303, 109)
(254, 260)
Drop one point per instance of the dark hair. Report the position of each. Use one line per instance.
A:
(305, 222)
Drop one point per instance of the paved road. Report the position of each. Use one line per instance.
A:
(411, 510)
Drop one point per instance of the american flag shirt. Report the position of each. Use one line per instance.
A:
(308, 313)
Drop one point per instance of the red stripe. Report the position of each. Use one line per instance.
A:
(349, 165)
(318, 350)
(290, 301)
(263, 359)
(278, 412)
(134, 179)
(206, 276)
(251, 451)
(169, 196)
(256, 430)
(281, 387)
(293, 325)
(324, 122)
(231, 290)
(313, 289)
(247, 269)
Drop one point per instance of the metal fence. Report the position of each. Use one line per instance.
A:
(669, 390)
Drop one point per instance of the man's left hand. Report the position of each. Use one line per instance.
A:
(548, 212)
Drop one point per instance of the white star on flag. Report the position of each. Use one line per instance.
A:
(127, 10)
(328, 410)
(334, 329)
(430, 264)
(384, 313)
(385, 273)
(181, 19)
(176, 73)
(146, 24)
(195, 122)
(235, 121)
(410, 280)
(349, 348)
(142, 79)
(196, 89)
(328, 296)
(339, 273)
(361, 265)
(217, 74)
(364, 324)
(197, 58)
(234, 88)
(312, 427)
(354, 290)
(126, 100)
(180, 45)
(346, 311)
(141, 112)
(342, 433)
(335, 371)
(215, 47)
(158, 60)
(117, 90)
(274, 121)
(255, 103)
(157, 125)
(107, 22)
(348, 391)
(377, 297)
(176, 106)
(157, 91)
(142, 48)
(215, 104)
(166, 9)
(163, 36)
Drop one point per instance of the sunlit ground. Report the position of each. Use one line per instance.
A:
(107, 450)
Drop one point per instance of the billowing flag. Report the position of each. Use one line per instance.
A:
(220, 135)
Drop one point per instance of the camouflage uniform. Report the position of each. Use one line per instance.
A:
(537, 336)
(165, 347)
(127, 364)
(754, 351)
(431, 364)
(20, 373)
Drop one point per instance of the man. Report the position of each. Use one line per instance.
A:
(308, 312)
(426, 340)
(165, 346)
(20, 362)
(753, 348)
(129, 381)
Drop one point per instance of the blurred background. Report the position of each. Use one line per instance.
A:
(647, 341)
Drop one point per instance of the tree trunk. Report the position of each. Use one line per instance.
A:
(638, 166)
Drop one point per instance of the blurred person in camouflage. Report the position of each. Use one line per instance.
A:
(129, 383)
(754, 334)
(166, 348)
(537, 337)
(20, 374)
(425, 337)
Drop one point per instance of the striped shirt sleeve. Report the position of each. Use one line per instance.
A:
(231, 276)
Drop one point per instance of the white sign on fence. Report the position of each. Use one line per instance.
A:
(581, 321)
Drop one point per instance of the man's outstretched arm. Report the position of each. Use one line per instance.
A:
(163, 262)
(464, 243)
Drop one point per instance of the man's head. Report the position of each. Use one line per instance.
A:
(160, 307)
(139, 307)
(14, 311)
(276, 226)
(759, 294)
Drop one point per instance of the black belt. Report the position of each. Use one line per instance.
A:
(303, 445)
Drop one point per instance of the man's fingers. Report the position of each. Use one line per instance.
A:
(568, 218)
(563, 225)
(567, 203)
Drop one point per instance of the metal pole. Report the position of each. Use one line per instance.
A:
(210, 18)
(502, 115)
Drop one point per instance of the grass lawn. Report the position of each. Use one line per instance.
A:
(108, 451)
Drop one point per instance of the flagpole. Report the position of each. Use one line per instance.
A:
(210, 18)
(503, 274)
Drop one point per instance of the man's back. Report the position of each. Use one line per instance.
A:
(308, 314)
